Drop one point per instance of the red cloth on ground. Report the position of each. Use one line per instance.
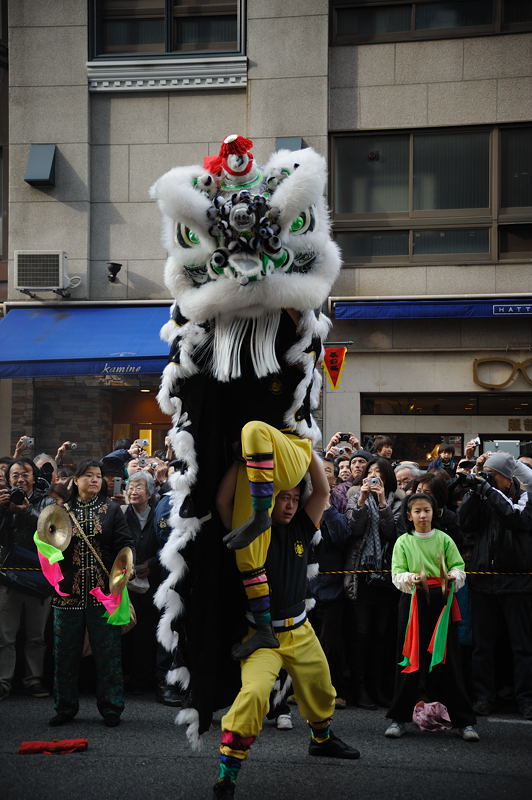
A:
(56, 746)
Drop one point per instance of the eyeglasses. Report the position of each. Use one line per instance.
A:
(506, 367)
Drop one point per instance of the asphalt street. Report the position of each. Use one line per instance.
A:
(147, 757)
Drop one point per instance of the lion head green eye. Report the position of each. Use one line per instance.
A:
(304, 222)
(185, 237)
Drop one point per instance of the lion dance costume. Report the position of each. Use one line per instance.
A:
(250, 263)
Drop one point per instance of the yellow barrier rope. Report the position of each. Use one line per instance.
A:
(20, 569)
(372, 571)
(328, 572)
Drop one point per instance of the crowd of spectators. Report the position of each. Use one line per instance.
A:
(137, 484)
(482, 502)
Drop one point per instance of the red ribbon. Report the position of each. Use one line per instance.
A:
(55, 747)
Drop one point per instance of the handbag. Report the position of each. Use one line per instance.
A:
(21, 569)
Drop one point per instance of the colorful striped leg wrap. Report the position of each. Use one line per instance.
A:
(233, 750)
(320, 731)
(259, 467)
(258, 595)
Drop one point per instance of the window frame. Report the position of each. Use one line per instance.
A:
(95, 57)
(479, 403)
(411, 221)
(493, 29)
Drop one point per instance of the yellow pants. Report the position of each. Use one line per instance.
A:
(291, 457)
(301, 655)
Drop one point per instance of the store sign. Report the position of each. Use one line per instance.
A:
(121, 369)
(505, 371)
(333, 361)
(512, 310)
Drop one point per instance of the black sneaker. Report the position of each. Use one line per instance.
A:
(37, 690)
(333, 747)
(224, 789)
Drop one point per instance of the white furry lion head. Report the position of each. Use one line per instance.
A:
(244, 240)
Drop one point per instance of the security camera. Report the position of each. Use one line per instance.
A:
(112, 270)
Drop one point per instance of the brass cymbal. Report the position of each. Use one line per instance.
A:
(121, 570)
(54, 527)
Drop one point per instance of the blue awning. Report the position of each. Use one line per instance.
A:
(432, 309)
(83, 340)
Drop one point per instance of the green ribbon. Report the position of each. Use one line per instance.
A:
(53, 554)
(122, 614)
(440, 634)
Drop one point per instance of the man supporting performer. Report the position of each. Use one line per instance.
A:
(284, 551)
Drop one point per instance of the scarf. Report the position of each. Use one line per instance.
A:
(368, 554)
(371, 553)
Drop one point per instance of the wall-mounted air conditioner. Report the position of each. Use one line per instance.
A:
(44, 270)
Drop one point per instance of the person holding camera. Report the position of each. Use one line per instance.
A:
(62, 451)
(496, 513)
(342, 444)
(24, 592)
(113, 473)
(373, 513)
(350, 480)
(24, 443)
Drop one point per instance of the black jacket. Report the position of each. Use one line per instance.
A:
(18, 550)
(499, 532)
(331, 552)
(112, 536)
(146, 545)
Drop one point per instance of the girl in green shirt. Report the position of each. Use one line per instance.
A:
(427, 568)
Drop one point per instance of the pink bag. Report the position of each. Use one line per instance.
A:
(431, 716)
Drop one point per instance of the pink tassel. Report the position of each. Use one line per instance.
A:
(52, 573)
(109, 601)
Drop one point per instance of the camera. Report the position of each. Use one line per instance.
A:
(29, 441)
(373, 481)
(470, 481)
(72, 445)
(143, 460)
(488, 476)
(344, 437)
(144, 442)
(118, 486)
(17, 496)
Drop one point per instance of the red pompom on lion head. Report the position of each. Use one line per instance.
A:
(235, 157)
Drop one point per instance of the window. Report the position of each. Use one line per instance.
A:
(417, 447)
(433, 195)
(396, 20)
(487, 404)
(165, 27)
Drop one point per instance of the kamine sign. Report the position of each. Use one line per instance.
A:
(121, 369)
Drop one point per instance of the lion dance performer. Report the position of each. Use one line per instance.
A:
(250, 263)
